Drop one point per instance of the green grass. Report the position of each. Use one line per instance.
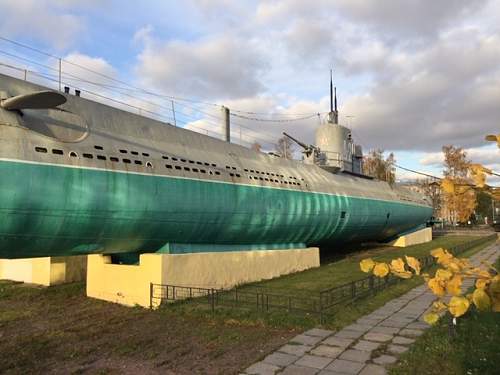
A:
(334, 272)
(475, 349)
(331, 274)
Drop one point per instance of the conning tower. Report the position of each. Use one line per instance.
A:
(337, 151)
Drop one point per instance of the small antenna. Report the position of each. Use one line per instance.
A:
(335, 99)
(331, 92)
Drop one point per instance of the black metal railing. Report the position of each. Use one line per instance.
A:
(320, 304)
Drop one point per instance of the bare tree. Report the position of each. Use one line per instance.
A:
(285, 147)
(256, 146)
(432, 190)
(375, 165)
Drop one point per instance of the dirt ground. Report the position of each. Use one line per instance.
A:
(59, 330)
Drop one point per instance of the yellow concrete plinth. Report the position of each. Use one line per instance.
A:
(414, 238)
(44, 271)
(130, 284)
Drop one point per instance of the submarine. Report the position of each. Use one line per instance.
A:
(80, 177)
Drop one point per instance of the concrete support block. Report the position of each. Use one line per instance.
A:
(130, 284)
(44, 271)
(414, 238)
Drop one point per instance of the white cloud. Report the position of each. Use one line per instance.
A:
(50, 22)
(217, 67)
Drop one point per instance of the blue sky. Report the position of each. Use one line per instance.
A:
(411, 75)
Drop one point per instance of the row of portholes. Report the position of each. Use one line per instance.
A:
(189, 169)
(173, 158)
(274, 180)
(271, 175)
(177, 167)
(114, 159)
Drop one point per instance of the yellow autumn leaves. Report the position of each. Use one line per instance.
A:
(397, 267)
(447, 280)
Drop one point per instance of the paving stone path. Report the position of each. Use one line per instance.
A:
(365, 347)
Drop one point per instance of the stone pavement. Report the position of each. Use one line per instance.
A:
(365, 347)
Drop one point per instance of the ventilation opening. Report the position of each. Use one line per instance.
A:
(149, 164)
(342, 215)
(73, 154)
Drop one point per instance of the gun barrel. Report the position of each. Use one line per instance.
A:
(303, 145)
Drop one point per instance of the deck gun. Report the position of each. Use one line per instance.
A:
(308, 149)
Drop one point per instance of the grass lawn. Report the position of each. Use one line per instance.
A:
(328, 275)
(60, 330)
(334, 271)
(474, 350)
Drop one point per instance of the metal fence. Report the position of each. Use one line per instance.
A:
(320, 304)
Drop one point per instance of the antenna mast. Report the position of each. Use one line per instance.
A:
(331, 92)
(333, 116)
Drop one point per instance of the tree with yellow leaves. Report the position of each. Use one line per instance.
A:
(459, 200)
(447, 281)
(494, 138)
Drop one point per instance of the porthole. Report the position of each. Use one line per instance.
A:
(231, 174)
(123, 151)
(101, 157)
(203, 171)
(165, 157)
(41, 149)
(178, 167)
(126, 161)
(168, 166)
(199, 163)
(57, 152)
(217, 173)
(145, 154)
(73, 154)
(195, 169)
(149, 164)
(183, 160)
(238, 175)
(214, 165)
(88, 156)
(114, 159)
(207, 164)
(98, 147)
(138, 162)
(187, 169)
(134, 152)
(191, 161)
(174, 159)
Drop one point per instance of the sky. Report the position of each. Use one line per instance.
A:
(411, 75)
